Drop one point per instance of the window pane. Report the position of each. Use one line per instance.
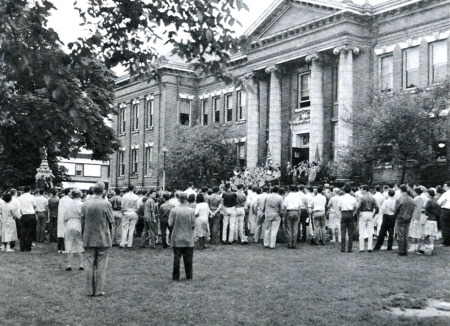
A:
(412, 58)
(439, 52)
(386, 73)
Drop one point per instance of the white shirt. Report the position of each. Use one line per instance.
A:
(347, 203)
(130, 202)
(292, 201)
(379, 198)
(41, 204)
(318, 203)
(174, 201)
(388, 206)
(444, 200)
(190, 191)
(27, 203)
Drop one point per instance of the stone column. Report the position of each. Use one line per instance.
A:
(316, 110)
(345, 98)
(275, 115)
(252, 121)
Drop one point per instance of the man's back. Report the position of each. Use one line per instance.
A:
(404, 208)
(130, 202)
(96, 218)
(182, 220)
(274, 204)
(27, 203)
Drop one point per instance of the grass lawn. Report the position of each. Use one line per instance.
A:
(233, 285)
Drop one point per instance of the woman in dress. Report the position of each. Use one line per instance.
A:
(8, 223)
(202, 213)
(73, 240)
(416, 227)
(430, 230)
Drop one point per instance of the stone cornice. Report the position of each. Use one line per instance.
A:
(346, 48)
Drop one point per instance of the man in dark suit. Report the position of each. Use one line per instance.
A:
(404, 208)
(96, 221)
(182, 221)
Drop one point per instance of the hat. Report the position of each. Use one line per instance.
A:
(183, 195)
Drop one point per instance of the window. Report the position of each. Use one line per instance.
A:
(79, 170)
(302, 140)
(303, 90)
(386, 73)
(216, 109)
(204, 112)
(440, 149)
(438, 62)
(148, 160)
(122, 120)
(134, 161)
(185, 112)
(411, 67)
(149, 121)
(91, 170)
(121, 163)
(135, 117)
(240, 109)
(228, 107)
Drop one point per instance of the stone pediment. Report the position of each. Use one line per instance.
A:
(289, 14)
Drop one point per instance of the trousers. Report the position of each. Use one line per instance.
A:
(41, 221)
(387, 226)
(445, 226)
(402, 237)
(258, 226)
(129, 220)
(27, 231)
(270, 232)
(215, 231)
(229, 218)
(291, 228)
(240, 219)
(150, 231)
(365, 229)
(319, 226)
(188, 254)
(95, 264)
(164, 224)
(347, 225)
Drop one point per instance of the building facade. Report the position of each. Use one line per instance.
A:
(309, 65)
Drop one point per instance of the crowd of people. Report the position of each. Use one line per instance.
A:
(88, 224)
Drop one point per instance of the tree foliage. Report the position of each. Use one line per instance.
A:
(400, 129)
(128, 32)
(48, 99)
(198, 154)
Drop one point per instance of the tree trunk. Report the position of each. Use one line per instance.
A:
(403, 173)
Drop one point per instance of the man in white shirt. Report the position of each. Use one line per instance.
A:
(378, 219)
(317, 207)
(292, 203)
(190, 190)
(303, 214)
(444, 202)
(259, 207)
(63, 204)
(387, 226)
(347, 206)
(42, 214)
(130, 206)
(28, 219)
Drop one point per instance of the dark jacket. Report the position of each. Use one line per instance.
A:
(404, 209)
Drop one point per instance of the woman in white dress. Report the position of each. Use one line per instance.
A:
(8, 223)
(202, 213)
(416, 227)
(73, 239)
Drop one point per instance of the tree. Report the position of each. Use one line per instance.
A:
(399, 129)
(127, 32)
(48, 99)
(200, 151)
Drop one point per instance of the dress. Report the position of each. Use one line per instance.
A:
(202, 212)
(416, 228)
(73, 240)
(8, 224)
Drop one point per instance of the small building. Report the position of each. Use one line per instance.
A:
(83, 172)
(311, 62)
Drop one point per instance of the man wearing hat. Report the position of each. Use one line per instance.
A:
(182, 221)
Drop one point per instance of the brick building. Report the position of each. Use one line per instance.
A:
(309, 65)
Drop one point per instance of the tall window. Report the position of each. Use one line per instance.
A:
(204, 112)
(121, 163)
(148, 160)
(240, 109)
(303, 90)
(134, 161)
(228, 107)
(386, 73)
(185, 112)
(121, 120)
(216, 107)
(411, 67)
(149, 121)
(438, 62)
(135, 113)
